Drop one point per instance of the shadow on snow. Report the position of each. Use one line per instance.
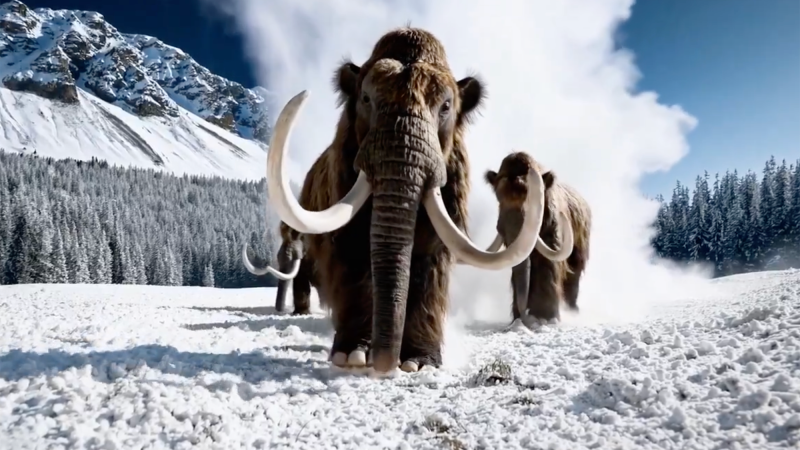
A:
(107, 366)
(313, 324)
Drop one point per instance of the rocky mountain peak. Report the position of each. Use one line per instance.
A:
(53, 53)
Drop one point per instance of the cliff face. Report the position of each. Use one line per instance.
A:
(53, 53)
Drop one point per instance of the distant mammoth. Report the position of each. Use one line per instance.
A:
(547, 276)
(383, 262)
(293, 267)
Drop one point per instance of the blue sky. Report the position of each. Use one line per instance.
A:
(733, 64)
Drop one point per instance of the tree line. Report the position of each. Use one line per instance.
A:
(69, 221)
(739, 224)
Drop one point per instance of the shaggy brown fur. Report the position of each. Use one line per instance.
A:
(549, 281)
(343, 257)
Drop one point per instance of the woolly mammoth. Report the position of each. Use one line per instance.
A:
(293, 267)
(385, 216)
(547, 275)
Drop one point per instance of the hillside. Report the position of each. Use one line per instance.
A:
(74, 86)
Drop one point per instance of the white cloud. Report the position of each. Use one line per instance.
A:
(558, 89)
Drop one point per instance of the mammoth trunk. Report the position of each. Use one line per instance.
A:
(394, 215)
(402, 158)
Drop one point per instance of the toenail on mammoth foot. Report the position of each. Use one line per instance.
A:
(356, 358)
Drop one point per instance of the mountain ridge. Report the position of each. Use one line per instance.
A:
(54, 52)
(74, 86)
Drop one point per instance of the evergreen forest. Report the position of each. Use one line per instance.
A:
(67, 221)
(735, 223)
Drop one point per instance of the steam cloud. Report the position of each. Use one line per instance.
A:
(558, 89)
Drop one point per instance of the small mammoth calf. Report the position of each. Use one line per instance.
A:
(548, 275)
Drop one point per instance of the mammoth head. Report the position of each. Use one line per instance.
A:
(405, 90)
(509, 182)
(386, 89)
(511, 188)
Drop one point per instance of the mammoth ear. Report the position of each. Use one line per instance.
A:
(472, 93)
(549, 178)
(345, 81)
(491, 177)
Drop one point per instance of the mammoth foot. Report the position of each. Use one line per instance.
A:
(357, 354)
(349, 352)
(359, 359)
(534, 323)
(417, 363)
(356, 358)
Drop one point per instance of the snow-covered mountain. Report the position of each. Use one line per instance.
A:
(74, 86)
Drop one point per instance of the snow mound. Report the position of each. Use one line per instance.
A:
(155, 367)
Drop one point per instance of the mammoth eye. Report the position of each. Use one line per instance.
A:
(365, 98)
(445, 107)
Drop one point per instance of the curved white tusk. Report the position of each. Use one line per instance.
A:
(496, 244)
(567, 241)
(563, 252)
(278, 192)
(493, 247)
(278, 274)
(463, 248)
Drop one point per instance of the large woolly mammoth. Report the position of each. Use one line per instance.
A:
(547, 276)
(293, 268)
(385, 217)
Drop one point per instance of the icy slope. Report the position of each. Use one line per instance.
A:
(93, 128)
(135, 367)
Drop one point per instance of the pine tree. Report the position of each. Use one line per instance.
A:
(766, 206)
(662, 229)
(5, 219)
(208, 276)
(40, 267)
(699, 234)
(751, 234)
(794, 213)
(17, 267)
(716, 228)
(58, 259)
(782, 208)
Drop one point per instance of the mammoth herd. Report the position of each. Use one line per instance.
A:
(381, 263)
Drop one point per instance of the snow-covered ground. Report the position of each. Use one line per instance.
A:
(150, 367)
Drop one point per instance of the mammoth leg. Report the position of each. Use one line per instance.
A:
(545, 288)
(301, 288)
(284, 265)
(577, 264)
(426, 310)
(280, 298)
(520, 285)
(351, 304)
